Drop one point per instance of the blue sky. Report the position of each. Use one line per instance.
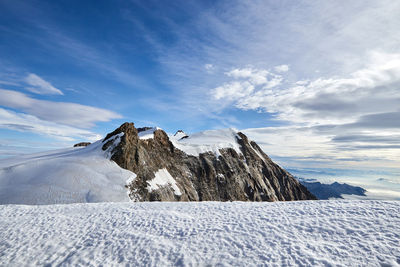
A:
(316, 83)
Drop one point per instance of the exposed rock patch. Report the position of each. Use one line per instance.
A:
(82, 144)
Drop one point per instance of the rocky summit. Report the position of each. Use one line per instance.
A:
(219, 165)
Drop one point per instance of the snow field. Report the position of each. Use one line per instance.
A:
(64, 176)
(306, 233)
(207, 141)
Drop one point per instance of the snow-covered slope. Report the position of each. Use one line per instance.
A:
(63, 176)
(207, 141)
(306, 233)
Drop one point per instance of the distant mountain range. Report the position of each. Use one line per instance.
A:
(334, 190)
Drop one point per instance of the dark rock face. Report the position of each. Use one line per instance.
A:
(82, 144)
(249, 176)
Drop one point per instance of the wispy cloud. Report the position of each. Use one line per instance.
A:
(40, 86)
(297, 146)
(9, 83)
(57, 112)
(29, 123)
(365, 138)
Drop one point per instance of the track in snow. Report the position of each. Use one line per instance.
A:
(348, 233)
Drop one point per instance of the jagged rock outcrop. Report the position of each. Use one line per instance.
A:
(82, 144)
(166, 173)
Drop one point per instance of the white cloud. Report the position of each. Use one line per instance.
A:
(25, 122)
(40, 86)
(330, 36)
(9, 83)
(208, 66)
(303, 147)
(303, 82)
(245, 83)
(371, 89)
(72, 114)
(233, 90)
(282, 68)
(363, 106)
(256, 76)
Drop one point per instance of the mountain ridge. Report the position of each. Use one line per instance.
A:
(239, 172)
(149, 165)
(332, 190)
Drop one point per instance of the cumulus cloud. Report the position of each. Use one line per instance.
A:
(247, 82)
(341, 118)
(71, 114)
(282, 68)
(233, 90)
(371, 89)
(40, 86)
(260, 77)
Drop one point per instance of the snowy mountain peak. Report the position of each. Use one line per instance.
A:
(146, 165)
(209, 165)
(180, 134)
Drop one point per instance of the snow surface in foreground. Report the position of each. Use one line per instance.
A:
(311, 233)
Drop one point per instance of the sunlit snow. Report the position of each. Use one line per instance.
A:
(305, 233)
(64, 176)
(148, 134)
(163, 178)
(207, 141)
